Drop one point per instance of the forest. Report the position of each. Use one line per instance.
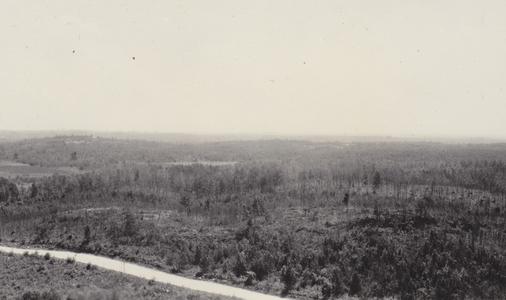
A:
(302, 219)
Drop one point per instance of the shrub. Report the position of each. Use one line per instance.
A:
(336, 283)
(87, 234)
(261, 267)
(288, 278)
(239, 267)
(70, 260)
(355, 286)
(49, 295)
(130, 227)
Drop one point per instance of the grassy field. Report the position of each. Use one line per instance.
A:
(32, 277)
(12, 169)
(302, 219)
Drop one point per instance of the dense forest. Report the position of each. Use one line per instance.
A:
(304, 219)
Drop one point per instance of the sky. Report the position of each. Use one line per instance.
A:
(357, 67)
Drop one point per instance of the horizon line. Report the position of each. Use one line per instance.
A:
(266, 134)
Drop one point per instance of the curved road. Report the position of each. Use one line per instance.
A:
(147, 273)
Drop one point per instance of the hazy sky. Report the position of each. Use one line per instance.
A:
(352, 67)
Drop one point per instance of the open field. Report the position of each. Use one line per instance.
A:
(301, 219)
(12, 169)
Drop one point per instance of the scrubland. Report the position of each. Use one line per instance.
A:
(302, 219)
(44, 278)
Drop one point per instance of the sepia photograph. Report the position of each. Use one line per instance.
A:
(256, 150)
